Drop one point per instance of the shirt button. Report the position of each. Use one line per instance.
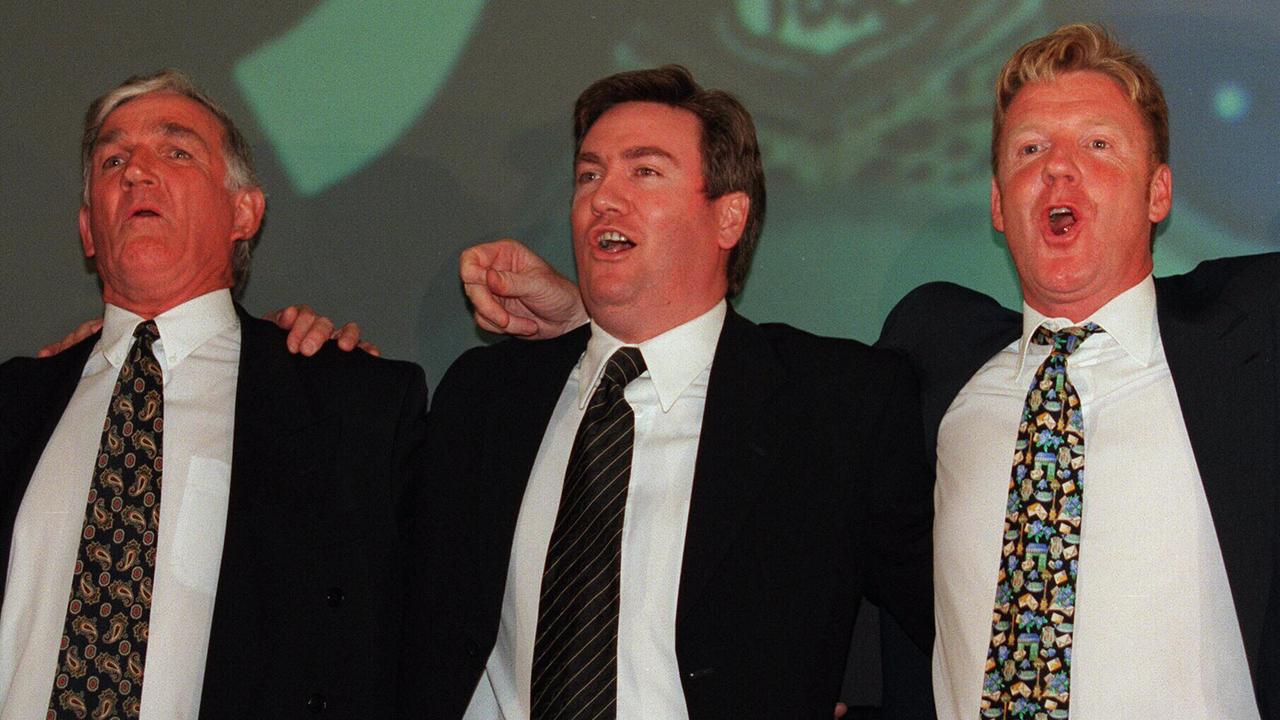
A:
(316, 703)
(334, 597)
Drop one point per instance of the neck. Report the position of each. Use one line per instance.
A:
(146, 307)
(634, 327)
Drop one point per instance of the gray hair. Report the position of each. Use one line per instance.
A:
(236, 152)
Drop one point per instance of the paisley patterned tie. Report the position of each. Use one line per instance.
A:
(575, 650)
(104, 641)
(1028, 665)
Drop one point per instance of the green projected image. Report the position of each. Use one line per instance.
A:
(390, 135)
(341, 87)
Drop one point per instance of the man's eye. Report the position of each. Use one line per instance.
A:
(587, 176)
(112, 161)
(180, 154)
(1029, 149)
(1099, 144)
(646, 172)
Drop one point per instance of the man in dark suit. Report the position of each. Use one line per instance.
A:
(773, 479)
(1177, 591)
(1218, 325)
(1177, 577)
(266, 487)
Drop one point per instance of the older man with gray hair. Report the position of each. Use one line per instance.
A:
(225, 543)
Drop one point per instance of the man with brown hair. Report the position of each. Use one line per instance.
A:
(769, 479)
(1156, 592)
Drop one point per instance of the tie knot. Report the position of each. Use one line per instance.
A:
(142, 355)
(1066, 340)
(623, 366)
(146, 332)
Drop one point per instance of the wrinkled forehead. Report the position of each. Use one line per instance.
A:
(161, 113)
(1077, 98)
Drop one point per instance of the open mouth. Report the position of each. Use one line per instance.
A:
(1061, 219)
(613, 241)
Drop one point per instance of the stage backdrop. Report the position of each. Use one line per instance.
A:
(391, 134)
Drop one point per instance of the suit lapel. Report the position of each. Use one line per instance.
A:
(274, 417)
(36, 409)
(515, 420)
(735, 451)
(277, 443)
(47, 390)
(521, 412)
(524, 410)
(1219, 369)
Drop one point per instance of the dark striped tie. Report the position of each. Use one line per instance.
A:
(575, 651)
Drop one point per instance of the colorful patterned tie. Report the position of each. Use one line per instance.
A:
(575, 650)
(1029, 662)
(104, 641)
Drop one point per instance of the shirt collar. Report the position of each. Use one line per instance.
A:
(182, 328)
(674, 359)
(1129, 319)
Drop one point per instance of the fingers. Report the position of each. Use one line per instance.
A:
(285, 317)
(297, 319)
(841, 709)
(82, 331)
(313, 337)
(348, 336)
(474, 262)
(514, 284)
(516, 325)
(308, 330)
(490, 314)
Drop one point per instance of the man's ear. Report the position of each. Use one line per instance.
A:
(86, 233)
(732, 209)
(997, 209)
(1160, 194)
(250, 203)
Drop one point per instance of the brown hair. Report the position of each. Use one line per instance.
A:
(1083, 47)
(730, 151)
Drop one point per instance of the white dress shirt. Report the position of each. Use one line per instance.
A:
(668, 401)
(1156, 633)
(199, 354)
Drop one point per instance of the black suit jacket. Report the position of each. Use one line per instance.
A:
(308, 607)
(808, 495)
(1220, 330)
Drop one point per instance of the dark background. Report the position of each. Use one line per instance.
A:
(389, 135)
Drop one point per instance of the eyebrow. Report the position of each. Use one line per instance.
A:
(642, 151)
(168, 129)
(1088, 122)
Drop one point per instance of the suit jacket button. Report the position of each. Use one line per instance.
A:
(334, 597)
(316, 703)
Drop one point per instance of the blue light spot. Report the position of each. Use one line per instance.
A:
(1231, 101)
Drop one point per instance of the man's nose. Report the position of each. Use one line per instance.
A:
(139, 169)
(1061, 165)
(608, 195)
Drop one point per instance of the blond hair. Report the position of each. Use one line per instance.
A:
(1083, 47)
